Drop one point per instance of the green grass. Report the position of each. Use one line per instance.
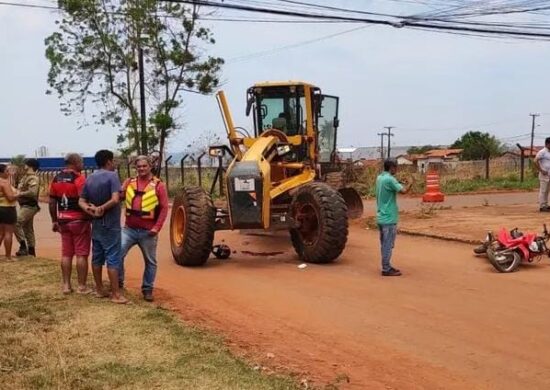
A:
(49, 341)
(510, 182)
(366, 184)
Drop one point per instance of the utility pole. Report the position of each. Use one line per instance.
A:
(532, 133)
(389, 138)
(382, 135)
(142, 100)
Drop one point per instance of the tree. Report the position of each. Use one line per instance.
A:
(94, 60)
(202, 144)
(476, 145)
(18, 160)
(420, 149)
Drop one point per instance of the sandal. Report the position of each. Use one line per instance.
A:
(102, 294)
(120, 301)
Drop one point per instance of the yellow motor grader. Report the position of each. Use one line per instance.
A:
(285, 176)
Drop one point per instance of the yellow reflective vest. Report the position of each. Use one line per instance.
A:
(149, 199)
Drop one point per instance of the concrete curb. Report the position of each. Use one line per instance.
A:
(439, 237)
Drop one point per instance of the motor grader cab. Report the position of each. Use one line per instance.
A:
(275, 179)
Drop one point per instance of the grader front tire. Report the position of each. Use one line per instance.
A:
(322, 223)
(192, 226)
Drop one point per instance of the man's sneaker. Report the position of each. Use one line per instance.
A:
(544, 209)
(391, 272)
(148, 296)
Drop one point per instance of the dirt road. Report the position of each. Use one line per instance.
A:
(450, 322)
(470, 200)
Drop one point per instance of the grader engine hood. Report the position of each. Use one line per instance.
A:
(248, 185)
(245, 185)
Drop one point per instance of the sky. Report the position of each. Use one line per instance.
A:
(432, 87)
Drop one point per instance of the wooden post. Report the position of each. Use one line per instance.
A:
(521, 163)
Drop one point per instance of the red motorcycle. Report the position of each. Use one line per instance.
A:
(508, 251)
(490, 240)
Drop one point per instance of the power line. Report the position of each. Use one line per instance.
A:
(23, 5)
(291, 46)
(402, 22)
(207, 18)
(469, 28)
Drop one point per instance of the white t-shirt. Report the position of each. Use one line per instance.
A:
(543, 157)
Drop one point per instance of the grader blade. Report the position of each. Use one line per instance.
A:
(353, 201)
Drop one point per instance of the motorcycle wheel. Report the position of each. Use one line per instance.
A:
(504, 261)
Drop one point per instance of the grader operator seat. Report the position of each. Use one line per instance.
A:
(280, 123)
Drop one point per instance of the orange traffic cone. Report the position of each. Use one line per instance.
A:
(433, 193)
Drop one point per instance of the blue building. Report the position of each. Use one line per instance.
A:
(56, 163)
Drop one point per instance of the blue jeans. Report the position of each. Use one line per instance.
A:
(105, 246)
(148, 246)
(387, 241)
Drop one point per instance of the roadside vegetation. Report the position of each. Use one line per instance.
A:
(48, 340)
(510, 182)
(365, 183)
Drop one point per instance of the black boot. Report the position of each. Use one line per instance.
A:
(22, 249)
(32, 251)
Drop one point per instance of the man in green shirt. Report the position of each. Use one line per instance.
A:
(387, 213)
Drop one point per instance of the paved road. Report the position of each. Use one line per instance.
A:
(450, 322)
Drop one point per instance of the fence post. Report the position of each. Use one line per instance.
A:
(521, 163)
(166, 172)
(182, 168)
(199, 167)
(487, 163)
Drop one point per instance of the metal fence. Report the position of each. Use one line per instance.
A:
(199, 171)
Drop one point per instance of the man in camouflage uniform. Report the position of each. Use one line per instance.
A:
(28, 189)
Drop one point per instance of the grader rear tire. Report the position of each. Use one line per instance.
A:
(192, 226)
(321, 215)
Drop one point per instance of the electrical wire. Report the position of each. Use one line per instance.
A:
(399, 24)
(292, 46)
(539, 31)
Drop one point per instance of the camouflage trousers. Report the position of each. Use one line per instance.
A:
(24, 228)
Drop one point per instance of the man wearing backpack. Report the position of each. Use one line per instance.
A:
(71, 222)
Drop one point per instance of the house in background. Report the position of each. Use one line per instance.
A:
(371, 163)
(405, 159)
(514, 155)
(409, 159)
(369, 152)
(449, 157)
(531, 153)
